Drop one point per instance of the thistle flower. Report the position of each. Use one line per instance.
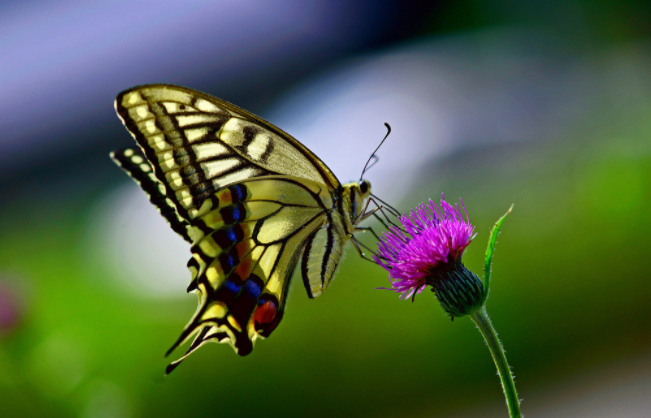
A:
(426, 250)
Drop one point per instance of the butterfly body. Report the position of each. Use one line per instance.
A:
(254, 203)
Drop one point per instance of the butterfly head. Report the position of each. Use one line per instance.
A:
(354, 197)
(365, 188)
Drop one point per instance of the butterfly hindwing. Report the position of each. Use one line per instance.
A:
(320, 258)
(248, 239)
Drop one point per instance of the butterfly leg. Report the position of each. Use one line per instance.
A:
(366, 213)
(393, 210)
(357, 245)
(381, 209)
(368, 228)
(382, 206)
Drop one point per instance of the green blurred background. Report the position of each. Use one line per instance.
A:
(546, 105)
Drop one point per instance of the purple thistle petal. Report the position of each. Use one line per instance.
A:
(433, 236)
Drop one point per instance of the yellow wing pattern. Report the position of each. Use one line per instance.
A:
(254, 203)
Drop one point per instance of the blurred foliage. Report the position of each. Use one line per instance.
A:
(584, 22)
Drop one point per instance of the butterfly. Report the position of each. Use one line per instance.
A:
(253, 202)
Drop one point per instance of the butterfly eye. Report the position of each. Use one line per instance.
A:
(364, 186)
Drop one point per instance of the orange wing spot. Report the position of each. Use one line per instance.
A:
(265, 314)
(243, 249)
(244, 268)
(247, 228)
(225, 197)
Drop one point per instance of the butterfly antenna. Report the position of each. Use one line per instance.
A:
(375, 159)
(373, 156)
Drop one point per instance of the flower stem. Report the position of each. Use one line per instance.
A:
(480, 318)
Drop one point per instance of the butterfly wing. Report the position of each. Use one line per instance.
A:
(197, 143)
(133, 161)
(321, 254)
(252, 200)
(248, 239)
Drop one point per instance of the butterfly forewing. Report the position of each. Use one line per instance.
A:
(134, 162)
(197, 143)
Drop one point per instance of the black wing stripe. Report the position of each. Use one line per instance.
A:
(305, 258)
(187, 171)
(326, 253)
(196, 109)
(320, 258)
(132, 160)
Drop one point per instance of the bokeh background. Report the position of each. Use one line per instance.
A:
(544, 104)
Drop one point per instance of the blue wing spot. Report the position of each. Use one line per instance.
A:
(233, 214)
(227, 292)
(228, 260)
(253, 287)
(231, 235)
(228, 236)
(232, 286)
(238, 192)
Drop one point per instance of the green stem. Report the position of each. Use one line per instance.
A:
(480, 318)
